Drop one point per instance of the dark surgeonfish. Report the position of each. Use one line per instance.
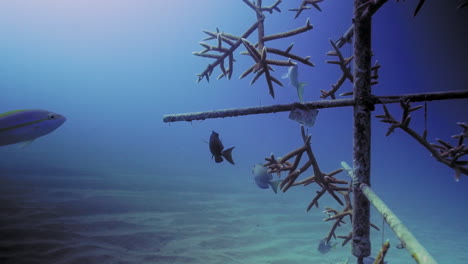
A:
(27, 125)
(263, 179)
(217, 149)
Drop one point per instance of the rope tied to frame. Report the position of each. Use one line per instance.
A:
(383, 227)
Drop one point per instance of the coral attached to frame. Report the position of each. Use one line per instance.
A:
(227, 44)
(442, 151)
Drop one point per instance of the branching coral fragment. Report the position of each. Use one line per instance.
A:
(328, 183)
(287, 54)
(444, 152)
(346, 75)
(346, 72)
(338, 217)
(421, 3)
(226, 44)
(262, 66)
(290, 33)
(233, 41)
(305, 5)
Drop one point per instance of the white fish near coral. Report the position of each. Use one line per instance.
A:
(292, 75)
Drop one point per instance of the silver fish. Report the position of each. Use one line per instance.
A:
(325, 246)
(263, 179)
(292, 75)
(27, 125)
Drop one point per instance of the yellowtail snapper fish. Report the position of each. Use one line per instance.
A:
(217, 149)
(27, 125)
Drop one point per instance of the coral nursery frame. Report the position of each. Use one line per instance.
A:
(364, 75)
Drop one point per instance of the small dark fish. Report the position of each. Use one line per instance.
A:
(324, 246)
(401, 245)
(263, 179)
(217, 149)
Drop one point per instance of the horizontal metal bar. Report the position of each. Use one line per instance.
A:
(311, 105)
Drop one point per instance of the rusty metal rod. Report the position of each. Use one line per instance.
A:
(416, 250)
(311, 105)
(361, 245)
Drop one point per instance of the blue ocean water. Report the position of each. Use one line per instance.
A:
(114, 68)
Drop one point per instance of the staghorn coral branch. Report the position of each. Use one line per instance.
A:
(226, 44)
(346, 71)
(315, 200)
(304, 6)
(345, 75)
(374, 77)
(251, 5)
(229, 54)
(442, 152)
(258, 8)
(289, 180)
(295, 152)
(375, 73)
(371, 9)
(342, 61)
(327, 182)
(261, 26)
(280, 63)
(273, 7)
(418, 7)
(311, 179)
(338, 216)
(261, 66)
(346, 239)
(228, 38)
(300, 30)
(286, 54)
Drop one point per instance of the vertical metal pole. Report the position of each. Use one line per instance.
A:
(362, 130)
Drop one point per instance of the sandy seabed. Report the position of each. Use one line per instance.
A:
(83, 217)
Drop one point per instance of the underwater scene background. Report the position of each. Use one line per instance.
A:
(114, 184)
